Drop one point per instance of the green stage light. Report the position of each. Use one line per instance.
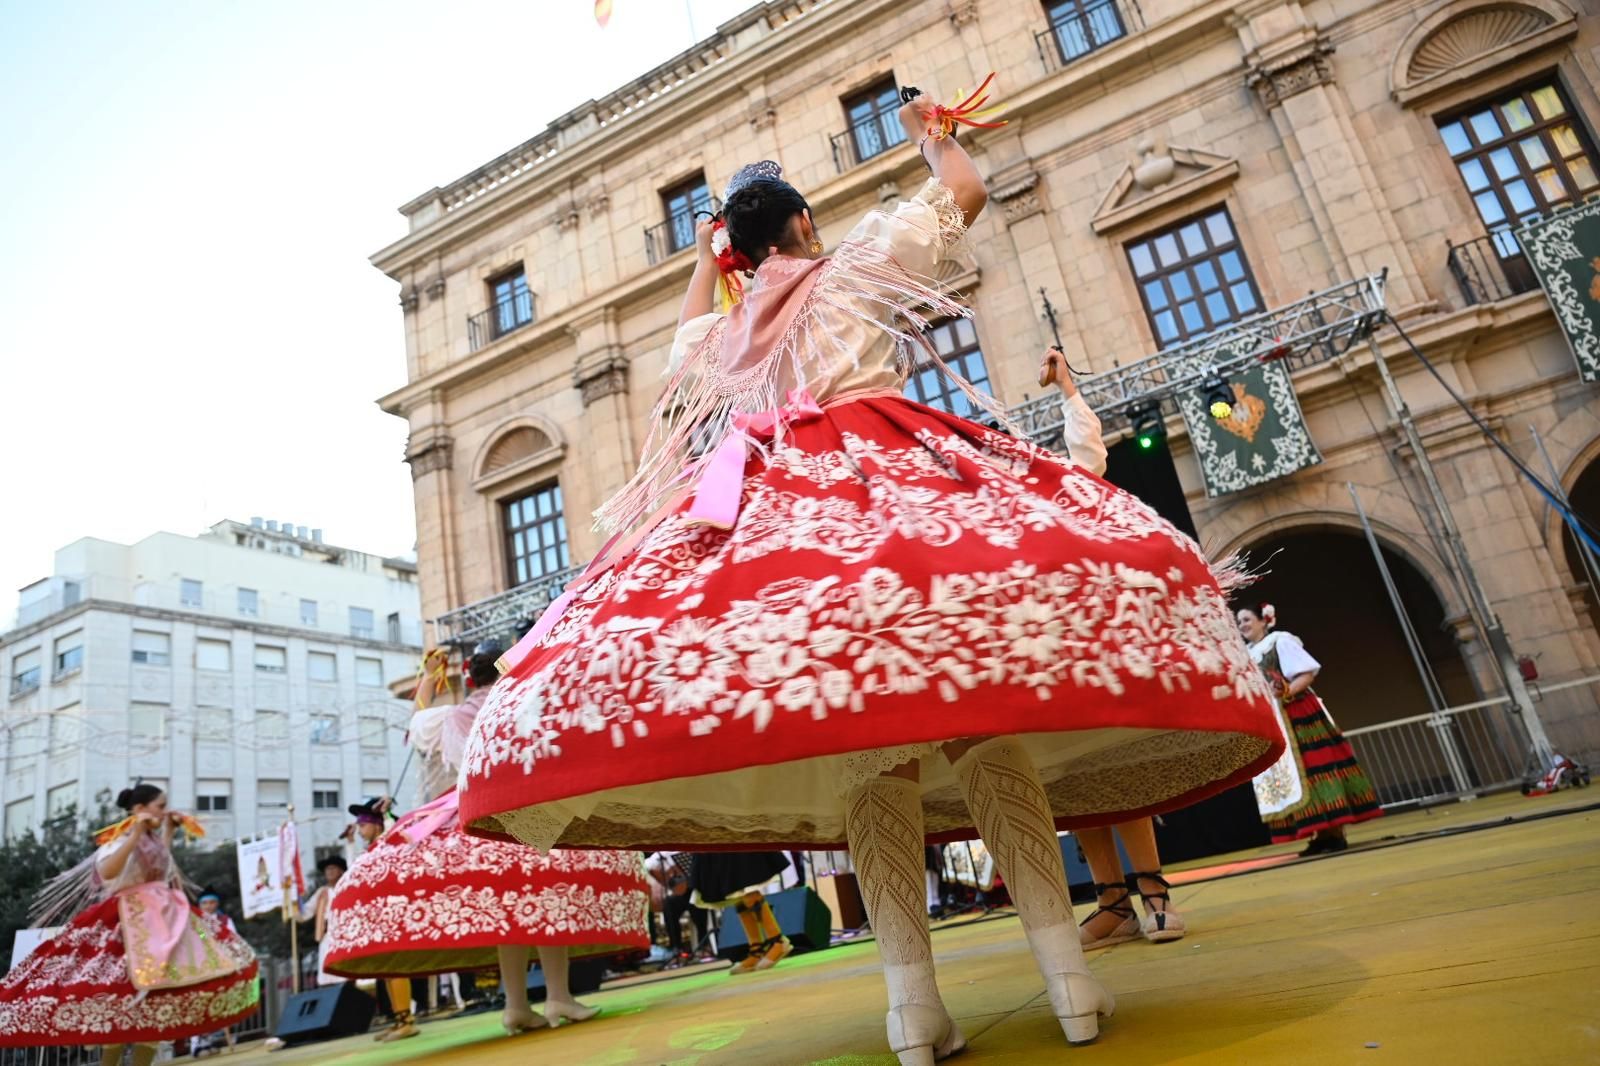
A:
(1148, 427)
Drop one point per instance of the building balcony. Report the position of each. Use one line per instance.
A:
(507, 316)
(504, 615)
(1079, 27)
(1491, 268)
(865, 140)
(666, 239)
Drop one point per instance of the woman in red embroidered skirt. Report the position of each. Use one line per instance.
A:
(426, 898)
(1317, 787)
(827, 586)
(140, 964)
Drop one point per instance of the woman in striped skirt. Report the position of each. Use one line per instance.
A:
(1318, 787)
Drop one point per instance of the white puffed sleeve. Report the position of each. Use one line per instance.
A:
(687, 339)
(1293, 659)
(919, 233)
(1080, 430)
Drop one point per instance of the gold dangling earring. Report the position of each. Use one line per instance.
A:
(816, 246)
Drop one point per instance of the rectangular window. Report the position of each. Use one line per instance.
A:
(393, 622)
(322, 666)
(324, 729)
(66, 729)
(374, 789)
(1521, 156)
(369, 672)
(25, 672)
(152, 649)
(272, 727)
(1081, 26)
(361, 622)
(249, 603)
(1193, 278)
(374, 732)
(681, 203)
(324, 795)
(61, 801)
(69, 654)
(215, 723)
(272, 796)
(510, 301)
(271, 660)
(874, 118)
(956, 341)
(213, 797)
(536, 534)
(213, 655)
(147, 722)
(308, 613)
(19, 818)
(190, 593)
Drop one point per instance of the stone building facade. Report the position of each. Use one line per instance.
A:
(1316, 141)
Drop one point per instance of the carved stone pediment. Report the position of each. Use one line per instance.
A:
(1159, 180)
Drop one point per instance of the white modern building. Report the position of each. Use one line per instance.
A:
(244, 670)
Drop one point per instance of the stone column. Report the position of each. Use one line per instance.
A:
(600, 375)
(1290, 71)
(430, 451)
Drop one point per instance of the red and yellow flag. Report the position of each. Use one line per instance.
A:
(602, 12)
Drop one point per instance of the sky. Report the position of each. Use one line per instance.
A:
(189, 327)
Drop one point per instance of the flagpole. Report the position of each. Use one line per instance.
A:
(289, 914)
(688, 8)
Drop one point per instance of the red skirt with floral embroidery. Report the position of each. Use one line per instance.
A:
(896, 577)
(448, 901)
(75, 989)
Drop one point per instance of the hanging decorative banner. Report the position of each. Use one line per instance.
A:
(259, 886)
(1564, 251)
(1263, 438)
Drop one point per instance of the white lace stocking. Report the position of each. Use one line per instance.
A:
(553, 961)
(1008, 805)
(514, 976)
(883, 820)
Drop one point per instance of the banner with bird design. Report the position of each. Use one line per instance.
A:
(1263, 435)
(1564, 251)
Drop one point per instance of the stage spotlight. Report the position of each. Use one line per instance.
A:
(1219, 398)
(1149, 429)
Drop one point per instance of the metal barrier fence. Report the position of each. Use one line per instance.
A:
(1470, 750)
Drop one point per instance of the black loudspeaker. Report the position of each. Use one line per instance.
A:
(801, 914)
(583, 977)
(326, 1013)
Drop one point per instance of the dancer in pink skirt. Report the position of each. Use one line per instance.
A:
(426, 898)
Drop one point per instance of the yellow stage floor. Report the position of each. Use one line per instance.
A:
(1477, 948)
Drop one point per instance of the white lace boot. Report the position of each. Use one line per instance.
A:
(883, 820)
(1008, 805)
(518, 1017)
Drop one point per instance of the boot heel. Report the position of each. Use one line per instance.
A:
(922, 1035)
(916, 1056)
(1081, 1029)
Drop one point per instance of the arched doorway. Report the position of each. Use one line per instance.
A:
(1584, 497)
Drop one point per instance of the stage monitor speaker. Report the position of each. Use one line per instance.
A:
(801, 914)
(583, 977)
(326, 1013)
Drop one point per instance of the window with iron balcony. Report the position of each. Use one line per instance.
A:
(683, 204)
(873, 118)
(1521, 155)
(1078, 27)
(511, 306)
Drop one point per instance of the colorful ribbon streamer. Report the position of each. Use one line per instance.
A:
(942, 120)
(112, 832)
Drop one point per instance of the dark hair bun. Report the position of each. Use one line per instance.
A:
(758, 213)
(144, 792)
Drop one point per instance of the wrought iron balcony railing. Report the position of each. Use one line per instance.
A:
(1314, 330)
(866, 140)
(1491, 268)
(503, 615)
(1078, 27)
(502, 318)
(676, 234)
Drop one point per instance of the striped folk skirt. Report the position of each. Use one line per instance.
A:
(1337, 791)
